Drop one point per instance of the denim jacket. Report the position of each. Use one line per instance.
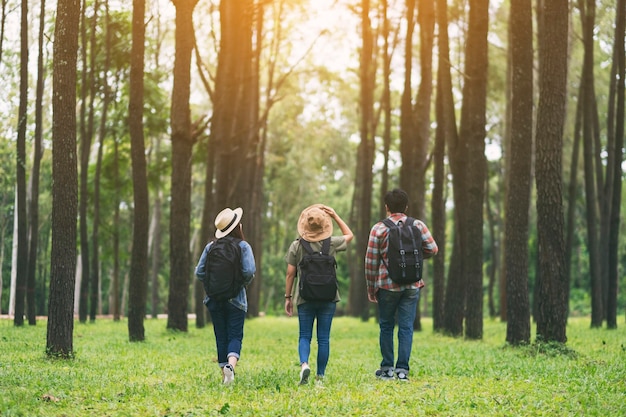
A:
(248, 268)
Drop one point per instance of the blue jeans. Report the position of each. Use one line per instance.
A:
(228, 327)
(400, 304)
(307, 313)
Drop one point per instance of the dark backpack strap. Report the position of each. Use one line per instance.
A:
(390, 224)
(410, 221)
(306, 245)
(325, 246)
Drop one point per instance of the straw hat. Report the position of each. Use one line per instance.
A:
(227, 220)
(315, 224)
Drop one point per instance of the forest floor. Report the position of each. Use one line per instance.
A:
(176, 374)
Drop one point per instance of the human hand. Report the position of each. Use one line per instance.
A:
(330, 211)
(288, 307)
(372, 298)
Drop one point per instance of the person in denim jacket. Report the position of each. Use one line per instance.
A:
(228, 315)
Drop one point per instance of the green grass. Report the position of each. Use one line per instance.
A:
(175, 374)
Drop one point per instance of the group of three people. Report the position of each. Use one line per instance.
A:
(315, 225)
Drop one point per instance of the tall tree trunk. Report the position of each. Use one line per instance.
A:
(446, 128)
(251, 187)
(182, 145)
(22, 220)
(519, 175)
(139, 258)
(415, 119)
(553, 48)
(587, 9)
(362, 200)
(95, 237)
(617, 88)
(85, 151)
(33, 231)
(59, 341)
(454, 307)
(472, 136)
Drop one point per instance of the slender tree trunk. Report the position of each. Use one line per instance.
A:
(95, 236)
(182, 145)
(415, 140)
(446, 128)
(65, 181)
(33, 231)
(362, 202)
(553, 49)
(519, 175)
(22, 220)
(587, 10)
(85, 151)
(618, 85)
(139, 258)
(472, 133)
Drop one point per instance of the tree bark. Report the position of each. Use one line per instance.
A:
(60, 328)
(553, 48)
(137, 290)
(519, 175)
(33, 232)
(182, 145)
(20, 164)
(446, 128)
(362, 201)
(618, 85)
(587, 10)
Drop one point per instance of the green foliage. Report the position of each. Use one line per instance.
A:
(176, 374)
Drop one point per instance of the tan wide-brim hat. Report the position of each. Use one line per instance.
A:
(315, 224)
(226, 220)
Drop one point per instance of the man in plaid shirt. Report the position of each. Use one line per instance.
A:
(394, 299)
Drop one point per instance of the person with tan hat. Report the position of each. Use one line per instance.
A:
(225, 268)
(315, 226)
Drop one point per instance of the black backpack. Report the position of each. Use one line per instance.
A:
(318, 273)
(404, 251)
(224, 278)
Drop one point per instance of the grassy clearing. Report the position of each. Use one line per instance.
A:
(174, 374)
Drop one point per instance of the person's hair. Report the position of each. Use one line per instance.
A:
(237, 232)
(396, 200)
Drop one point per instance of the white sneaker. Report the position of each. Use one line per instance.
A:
(304, 375)
(229, 374)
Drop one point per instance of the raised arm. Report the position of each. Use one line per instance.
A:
(347, 233)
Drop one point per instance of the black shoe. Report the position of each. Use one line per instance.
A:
(402, 376)
(386, 375)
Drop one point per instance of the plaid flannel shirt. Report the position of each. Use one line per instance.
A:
(376, 275)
